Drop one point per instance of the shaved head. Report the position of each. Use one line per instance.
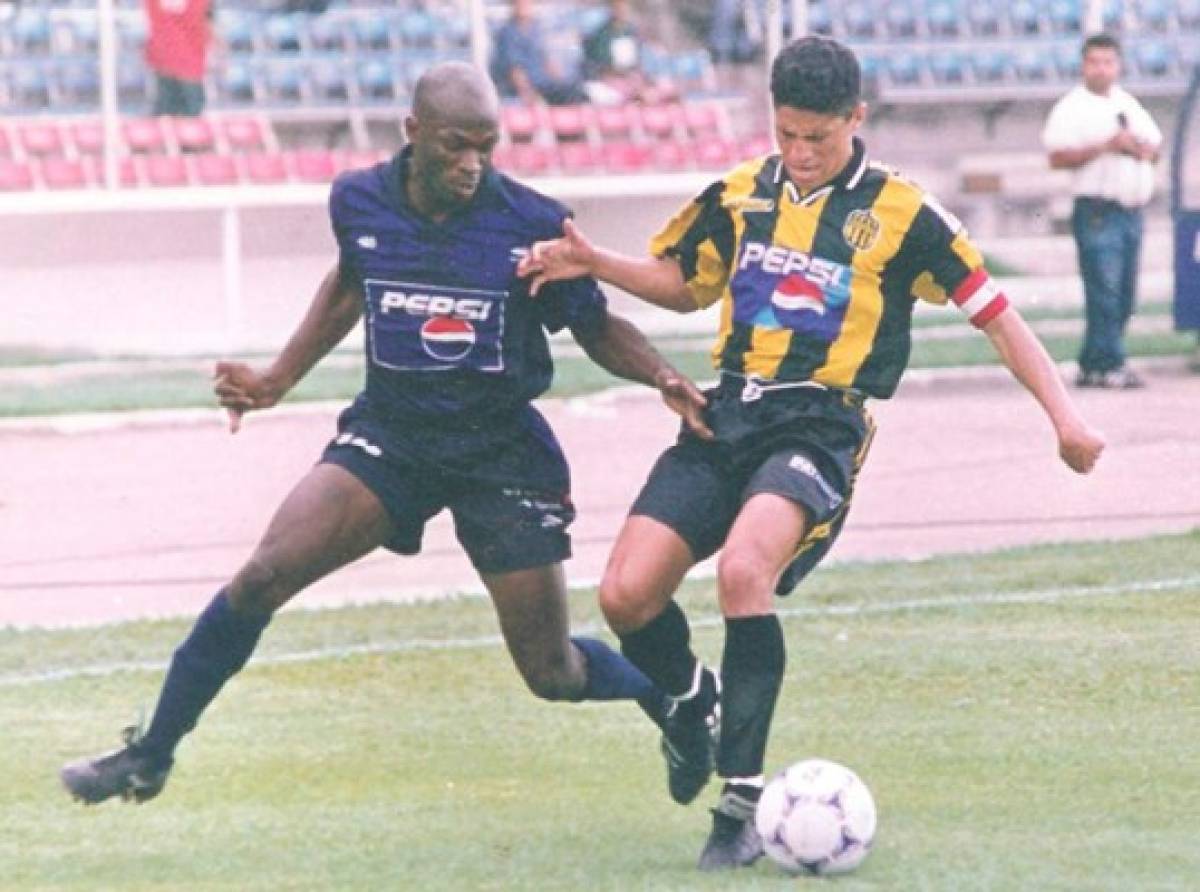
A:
(456, 93)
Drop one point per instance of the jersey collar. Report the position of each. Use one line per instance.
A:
(849, 177)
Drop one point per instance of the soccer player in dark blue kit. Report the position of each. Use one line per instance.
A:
(456, 350)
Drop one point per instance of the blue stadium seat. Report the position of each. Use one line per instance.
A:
(372, 33)
(901, 19)
(236, 83)
(819, 19)
(284, 81)
(1154, 58)
(236, 30)
(1066, 16)
(1067, 60)
(948, 66)
(984, 17)
(1114, 15)
(1154, 15)
(1024, 16)
(375, 80)
(78, 34)
(132, 79)
(418, 28)
(1188, 13)
(30, 85)
(859, 19)
(78, 82)
(904, 68)
(330, 80)
(1034, 64)
(30, 31)
(328, 34)
(282, 33)
(992, 66)
(942, 18)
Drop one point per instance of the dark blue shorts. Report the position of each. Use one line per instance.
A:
(506, 484)
(806, 445)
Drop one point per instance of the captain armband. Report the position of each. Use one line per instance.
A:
(980, 299)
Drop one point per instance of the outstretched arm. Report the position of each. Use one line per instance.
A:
(1078, 444)
(334, 311)
(621, 348)
(656, 280)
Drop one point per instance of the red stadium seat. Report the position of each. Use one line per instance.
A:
(670, 156)
(313, 165)
(246, 134)
(215, 170)
(521, 122)
(5, 143)
(357, 160)
(144, 135)
(616, 121)
(705, 119)
(127, 174)
(659, 121)
(86, 135)
(193, 134)
(569, 123)
(531, 160)
(15, 176)
(265, 168)
(39, 138)
(757, 146)
(63, 173)
(714, 154)
(165, 170)
(626, 157)
(578, 158)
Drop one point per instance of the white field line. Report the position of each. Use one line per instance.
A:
(987, 599)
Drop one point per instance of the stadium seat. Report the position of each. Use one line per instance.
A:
(418, 28)
(616, 121)
(30, 85)
(193, 134)
(358, 160)
(236, 84)
(569, 122)
(1024, 17)
(127, 174)
(859, 20)
(282, 33)
(757, 145)
(5, 143)
(78, 82)
(904, 68)
(626, 158)
(1154, 15)
(1067, 60)
(371, 32)
(1188, 13)
(984, 17)
(704, 119)
(215, 170)
(948, 66)
(942, 18)
(901, 19)
(81, 34)
(1065, 16)
(575, 158)
(86, 135)
(1033, 64)
(132, 89)
(15, 176)
(62, 173)
(131, 34)
(30, 31)
(659, 121)
(236, 31)
(670, 156)
(328, 34)
(165, 170)
(245, 134)
(375, 81)
(329, 79)
(283, 80)
(312, 165)
(143, 135)
(692, 72)
(265, 168)
(1154, 59)
(39, 138)
(714, 154)
(530, 159)
(521, 122)
(992, 66)
(820, 21)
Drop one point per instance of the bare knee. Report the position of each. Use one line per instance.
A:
(624, 601)
(745, 582)
(260, 587)
(553, 680)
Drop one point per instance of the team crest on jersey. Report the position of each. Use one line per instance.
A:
(861, 229)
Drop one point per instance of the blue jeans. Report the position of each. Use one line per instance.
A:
(1108, 239)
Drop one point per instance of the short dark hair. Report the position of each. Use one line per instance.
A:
(816, 74)
(1101, 42)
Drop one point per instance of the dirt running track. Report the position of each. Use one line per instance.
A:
(148, 518)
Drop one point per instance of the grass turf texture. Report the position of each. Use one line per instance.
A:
(1052, 744)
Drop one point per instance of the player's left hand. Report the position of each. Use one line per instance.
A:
(685, 400)
(568, 257)
(1080, 447)
(241, 389)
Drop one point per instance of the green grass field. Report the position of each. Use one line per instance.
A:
(1028, 720)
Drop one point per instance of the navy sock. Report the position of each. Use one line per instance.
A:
(662, 649)
(218, 647)
(609, 675)
(751, 675)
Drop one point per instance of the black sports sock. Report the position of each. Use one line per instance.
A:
(751, 675)
(217, 648)
(662, 650)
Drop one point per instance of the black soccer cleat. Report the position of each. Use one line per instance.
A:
(128, 772)
(689, 740)
(734, 841)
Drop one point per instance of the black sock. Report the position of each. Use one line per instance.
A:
(751, 675)
(217, 648)
(662, 650)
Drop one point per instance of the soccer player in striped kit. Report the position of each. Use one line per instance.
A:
(456, 351)
(817, 257)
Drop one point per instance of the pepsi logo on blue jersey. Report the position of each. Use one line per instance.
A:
(414, 326)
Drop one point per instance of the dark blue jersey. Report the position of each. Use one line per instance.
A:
(452, 334)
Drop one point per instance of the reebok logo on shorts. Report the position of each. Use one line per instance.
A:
(808, 469)
(365, 445)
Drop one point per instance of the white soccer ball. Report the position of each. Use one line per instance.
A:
(816, 817)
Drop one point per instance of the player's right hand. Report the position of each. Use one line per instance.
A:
(568, 257)
(240, 389)
(1080, 448)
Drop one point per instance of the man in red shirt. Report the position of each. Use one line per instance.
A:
(176, 51)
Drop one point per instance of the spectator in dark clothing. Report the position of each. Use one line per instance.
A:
(524, 68)
(612, 58)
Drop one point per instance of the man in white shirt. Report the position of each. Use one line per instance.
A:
(1110, 142)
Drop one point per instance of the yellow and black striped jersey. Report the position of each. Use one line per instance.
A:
(822, 286)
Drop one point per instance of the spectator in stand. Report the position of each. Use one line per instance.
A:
(524, 68)
(177, 43)
(612, 61)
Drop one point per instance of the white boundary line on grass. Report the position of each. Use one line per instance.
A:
(1047, 596)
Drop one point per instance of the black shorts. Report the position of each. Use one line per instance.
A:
(506, 484)
(805, 444)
